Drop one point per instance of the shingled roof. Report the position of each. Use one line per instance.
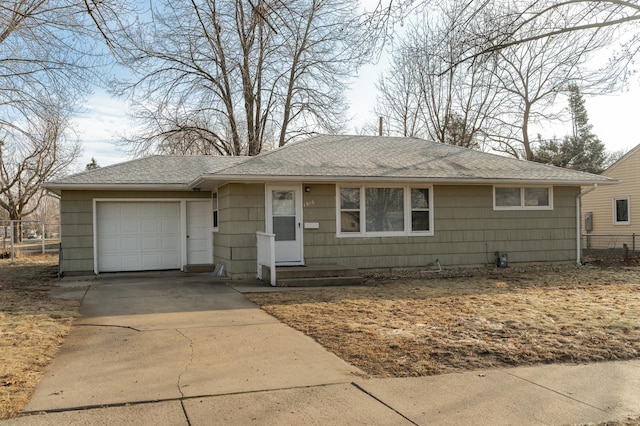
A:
(331, 158)
(327, 158)
(157, 170)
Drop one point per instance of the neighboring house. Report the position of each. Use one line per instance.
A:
(361, 201)
(612, 213)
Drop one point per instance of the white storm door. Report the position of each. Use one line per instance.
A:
(284, 219)
(199, 227)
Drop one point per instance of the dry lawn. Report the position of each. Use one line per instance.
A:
(392, 327)
(32, 326)
(432, 324)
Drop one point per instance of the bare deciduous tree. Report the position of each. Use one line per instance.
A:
(230, 77)
(399, 98)
(423, 94)
(533, 74)
(48, 47)
(523, 21)
(501, 94)
(43, 152)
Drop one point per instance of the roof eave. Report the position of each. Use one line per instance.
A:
(58, 187)
(455, 181)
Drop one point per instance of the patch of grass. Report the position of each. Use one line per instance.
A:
(417, 326)
(32, 326)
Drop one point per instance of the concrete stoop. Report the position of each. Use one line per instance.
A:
(314, 276)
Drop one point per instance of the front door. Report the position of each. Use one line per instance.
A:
(284, 217)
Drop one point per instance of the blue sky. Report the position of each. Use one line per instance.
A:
(105, 120)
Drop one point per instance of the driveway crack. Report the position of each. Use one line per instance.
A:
(564, 395)
(108, 325)
(188, 364)
(361, 389)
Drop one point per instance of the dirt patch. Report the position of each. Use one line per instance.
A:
(431, 324)
(32, 326)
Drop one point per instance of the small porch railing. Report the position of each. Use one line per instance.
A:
(267, 255)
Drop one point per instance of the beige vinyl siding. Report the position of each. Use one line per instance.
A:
(600, 200)
(241, 212)
(467, 231)
(76, 222)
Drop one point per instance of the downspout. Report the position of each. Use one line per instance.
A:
(579, 223)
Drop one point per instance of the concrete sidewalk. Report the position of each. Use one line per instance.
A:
(181, 350)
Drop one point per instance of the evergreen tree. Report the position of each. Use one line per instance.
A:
(582, 150)
(92, 165)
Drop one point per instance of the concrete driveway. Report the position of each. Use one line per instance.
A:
(173, 349)
(173, 337)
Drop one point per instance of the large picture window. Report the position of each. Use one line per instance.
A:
(370, 210)
(621, 211)
(522, 197)
(385, 209)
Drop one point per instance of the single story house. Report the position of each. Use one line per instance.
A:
(611, 214)
(367, 202)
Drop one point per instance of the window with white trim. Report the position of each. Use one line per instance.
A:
(621, 211)
(420, 210)
(214, 200)
(522, 198)
(350, 210)
(378, 210)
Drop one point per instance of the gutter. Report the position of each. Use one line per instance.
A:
(391, 179)
(50, 193)
(579, 223)
(57, 188)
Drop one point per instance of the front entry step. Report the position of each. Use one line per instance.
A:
(314, 276)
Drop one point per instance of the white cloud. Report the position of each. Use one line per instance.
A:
(101, 124)
(614, 119)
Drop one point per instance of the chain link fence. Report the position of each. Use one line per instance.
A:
(28, 238)
(609, 246)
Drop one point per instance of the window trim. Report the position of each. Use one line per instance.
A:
(215, 211)
(407, 210)
(614, 210)
(523, 205)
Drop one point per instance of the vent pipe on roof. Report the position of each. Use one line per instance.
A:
(380, 127)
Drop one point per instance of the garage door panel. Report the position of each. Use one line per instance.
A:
(168, 226)
(129, 243)
(131, 262)
(150, 226)
(110, 263)
(109, 227)
(151, 261)
(149, 210)
(109, 245)
(165, 210)
(109, 209)
(166, 242)
(137, 236)
(128, 225)
(129, 209)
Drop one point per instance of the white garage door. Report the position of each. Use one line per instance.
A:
(138, 236)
